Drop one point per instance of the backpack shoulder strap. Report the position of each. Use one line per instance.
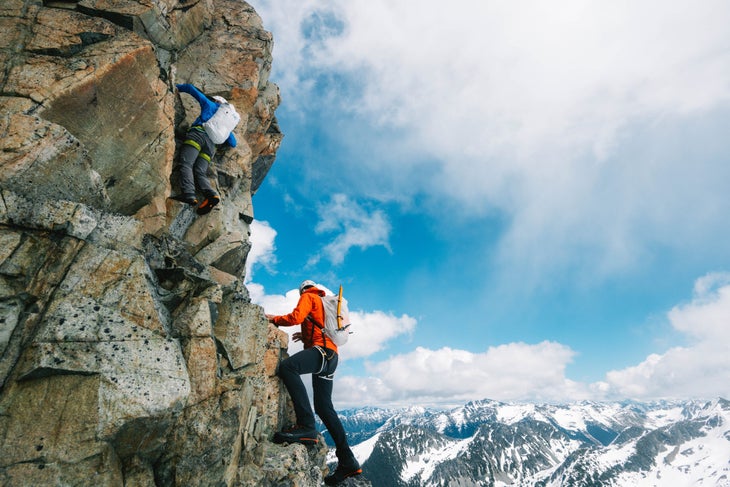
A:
(318, 325)
(321, 329)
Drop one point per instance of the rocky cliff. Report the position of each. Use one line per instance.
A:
(130, 353)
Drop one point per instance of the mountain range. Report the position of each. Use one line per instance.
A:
(490, 443)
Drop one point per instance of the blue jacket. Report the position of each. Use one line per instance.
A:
(207, 108)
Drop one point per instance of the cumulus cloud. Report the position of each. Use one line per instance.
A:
(707, 317)
(354, 225)
(536, 372)
(700, 369)
(276, 304)
(373, 330)
(515, 371)
(263, 250)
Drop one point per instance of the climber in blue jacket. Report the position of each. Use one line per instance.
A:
(198, 151)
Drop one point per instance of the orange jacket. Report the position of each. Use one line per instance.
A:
(310, 304)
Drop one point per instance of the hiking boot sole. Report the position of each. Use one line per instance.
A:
(279, 438)
(207, 205)
(333, 480)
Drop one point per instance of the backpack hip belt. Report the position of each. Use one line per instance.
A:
(202, 154)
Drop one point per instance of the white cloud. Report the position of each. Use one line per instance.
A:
(262, 248)
(701, 369)
(707, 317)
(372, 331)
(356, 226)
(273, 304)
(562, 116)
(515, 371)
(526, 74)
(519, 371)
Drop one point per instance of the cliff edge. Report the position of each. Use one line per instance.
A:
(130, 352)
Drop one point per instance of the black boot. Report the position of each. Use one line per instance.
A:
(297, 434)
(208, 203)
(343, 472)
(347, 466)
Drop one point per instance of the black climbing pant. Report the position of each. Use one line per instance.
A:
(312, 361)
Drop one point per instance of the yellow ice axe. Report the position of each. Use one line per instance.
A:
(339, 305)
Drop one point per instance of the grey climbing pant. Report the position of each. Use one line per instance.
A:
(195, 155)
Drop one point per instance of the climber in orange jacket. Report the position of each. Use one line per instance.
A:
(309, 306)
(318, 358)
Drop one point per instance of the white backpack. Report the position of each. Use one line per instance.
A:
(223, 121)
(336, 319)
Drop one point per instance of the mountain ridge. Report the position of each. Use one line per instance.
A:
(491, 443)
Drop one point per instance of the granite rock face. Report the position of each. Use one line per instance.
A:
(130, 352)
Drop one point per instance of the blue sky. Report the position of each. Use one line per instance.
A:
(523, 200)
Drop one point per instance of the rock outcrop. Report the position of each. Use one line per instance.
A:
(130, 352)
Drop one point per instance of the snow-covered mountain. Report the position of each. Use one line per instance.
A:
(488, 443)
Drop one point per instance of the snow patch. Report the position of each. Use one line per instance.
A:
(423, 465)
(364, 449)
